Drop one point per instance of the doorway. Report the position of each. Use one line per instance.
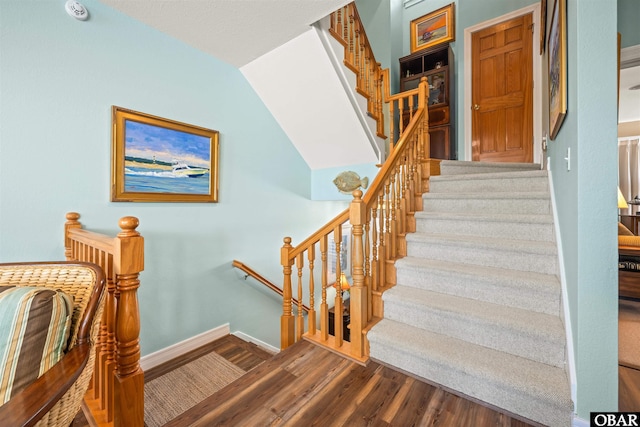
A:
(536, 114)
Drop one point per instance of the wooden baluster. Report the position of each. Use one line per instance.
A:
(393, 226)
(345, 24)
(374, 246)
(351, 53)
(356, 59)
(287, 324)
(324, 307)
(129, 381)
(300, 319)
(108, 358)
(391, 126)
(400, 220)
(359, 302)
(382, 247)
(367, 261)
(311, 255)
(338, 306)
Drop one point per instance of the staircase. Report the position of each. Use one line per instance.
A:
(477, 305)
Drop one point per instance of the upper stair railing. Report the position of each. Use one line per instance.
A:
(347, 28)
(379, 222)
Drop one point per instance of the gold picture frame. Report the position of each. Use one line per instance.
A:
(433, 28)
(160, 160)
(557, 59)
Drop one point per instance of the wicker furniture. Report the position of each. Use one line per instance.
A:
(54, 398)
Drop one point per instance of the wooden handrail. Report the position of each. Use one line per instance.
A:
(379, 222)
(257, 276)
(347, 28)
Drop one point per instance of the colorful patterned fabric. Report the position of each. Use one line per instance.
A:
(34, 329)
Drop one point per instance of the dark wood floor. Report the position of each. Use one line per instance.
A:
(309, 386)
(628, 389)
(306, 385)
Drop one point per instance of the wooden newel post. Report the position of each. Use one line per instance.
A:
(358, 290)
(72, 222)
(287, 324)
(129, 378)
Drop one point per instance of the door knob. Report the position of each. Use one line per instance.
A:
(476, 107)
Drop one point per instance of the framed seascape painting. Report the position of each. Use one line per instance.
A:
(162, 160)
(557, 51)
(433, 28)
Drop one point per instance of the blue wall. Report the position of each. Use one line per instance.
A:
(59, 78)
(586, 200)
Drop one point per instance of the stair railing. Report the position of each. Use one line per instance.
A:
(116, 393)
(379, 222)
(347, 28)
(250, 272)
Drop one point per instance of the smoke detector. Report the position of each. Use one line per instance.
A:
(76, 9)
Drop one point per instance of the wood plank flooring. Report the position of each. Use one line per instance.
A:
(309, 386)
(628, 389)
(306, 385)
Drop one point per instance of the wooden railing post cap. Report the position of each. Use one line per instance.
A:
(128, 224)
(72, 216)
(356, 212)
(284, 253)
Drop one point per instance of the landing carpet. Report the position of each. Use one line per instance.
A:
(172, 394)
(629, 333)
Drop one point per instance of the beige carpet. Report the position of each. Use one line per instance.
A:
(172, 394)
(629, 333)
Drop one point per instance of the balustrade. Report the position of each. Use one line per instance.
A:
(378, 221)
(116, 392)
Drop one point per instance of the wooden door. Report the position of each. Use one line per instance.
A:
(502, 92)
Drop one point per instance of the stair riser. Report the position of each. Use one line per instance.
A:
(498, 336)
(482, 388)
(482, 289)
(525, 231)
(481, 205)
(465, 169)
(488, 185)
(491, 257)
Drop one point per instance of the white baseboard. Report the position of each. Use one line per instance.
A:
(256, 341)
(178, 349)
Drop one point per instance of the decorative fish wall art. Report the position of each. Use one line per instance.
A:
(348, 181)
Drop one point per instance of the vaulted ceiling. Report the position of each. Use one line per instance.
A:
(235, 31)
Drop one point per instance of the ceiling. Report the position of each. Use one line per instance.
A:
(234, 31)
(240, 31)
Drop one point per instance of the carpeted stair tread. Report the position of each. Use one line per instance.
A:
(449, 167)
(520, 175)
(479, 216)
(527, 290)
(531, 389)
(490, 182)
(528, 227)
(526, 246)
(525, 333)
(524, 202)
(481, 250)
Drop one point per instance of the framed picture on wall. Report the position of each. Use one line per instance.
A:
(433, 28)
(557, 56)
(162, 160)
